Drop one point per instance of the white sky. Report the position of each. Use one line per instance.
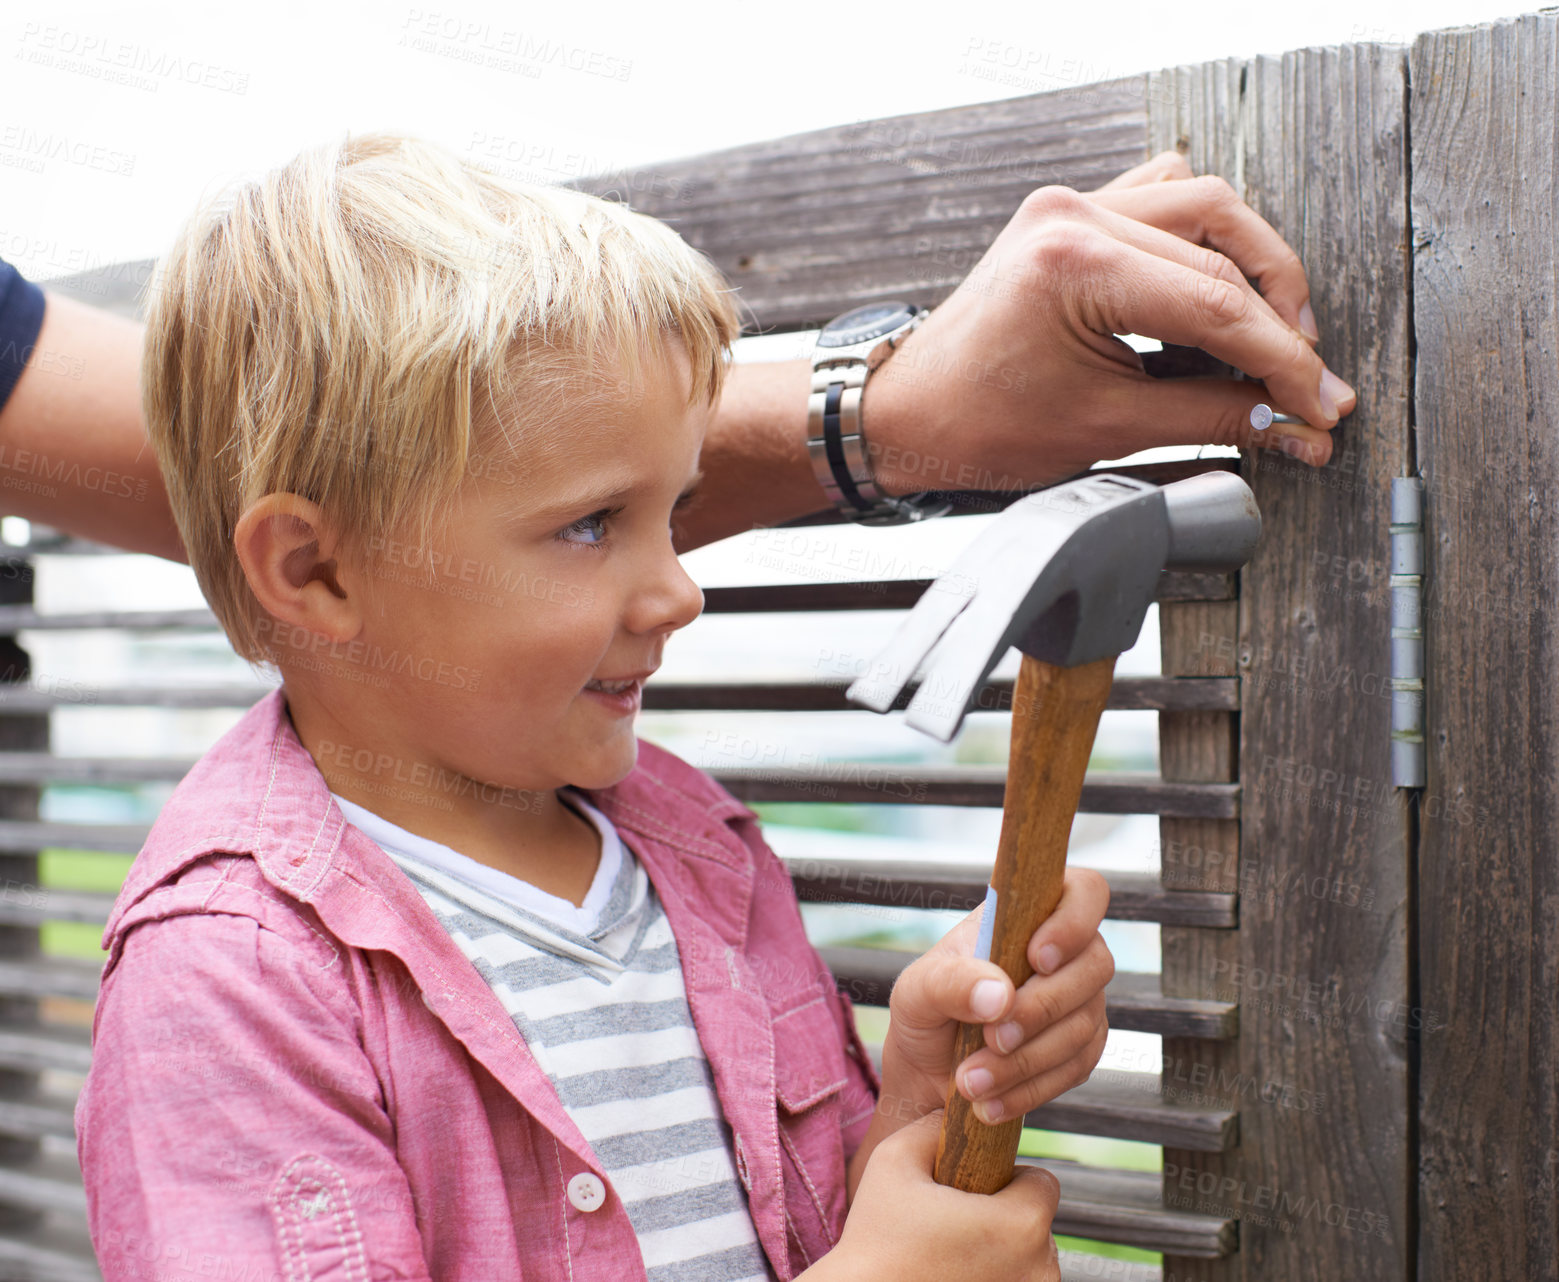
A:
(114, 118)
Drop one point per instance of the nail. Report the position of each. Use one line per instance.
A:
(988, 998)
(1049, 958)
(989, 1111)
(978, 1080)
(1008, 1036)
(1333, 392)
(1307, 323)
(1262, 417)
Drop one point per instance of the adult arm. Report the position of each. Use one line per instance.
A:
(1016, 380)
(73, 452)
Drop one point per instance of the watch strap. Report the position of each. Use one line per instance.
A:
(836, 443)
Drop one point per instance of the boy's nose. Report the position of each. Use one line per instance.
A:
(671, 599)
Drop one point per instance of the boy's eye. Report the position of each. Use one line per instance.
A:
(588, 529)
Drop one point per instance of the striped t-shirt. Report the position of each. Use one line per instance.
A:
(597, 992)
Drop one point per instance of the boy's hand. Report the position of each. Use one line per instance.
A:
(1040, 1041)
(905, 1226)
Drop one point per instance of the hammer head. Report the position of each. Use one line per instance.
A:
(1066, 575)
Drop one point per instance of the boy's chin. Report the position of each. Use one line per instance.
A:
(609, 772)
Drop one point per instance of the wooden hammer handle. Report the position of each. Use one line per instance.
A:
(1055, 712)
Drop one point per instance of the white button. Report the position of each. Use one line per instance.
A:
(586, 1191)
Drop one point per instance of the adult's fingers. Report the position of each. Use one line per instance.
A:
(1216, 411)
(1208, 211)
(1130, 291)
(1063, 203)
(1164, 167)
(1187, 253)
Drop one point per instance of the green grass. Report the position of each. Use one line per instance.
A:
(63, 869)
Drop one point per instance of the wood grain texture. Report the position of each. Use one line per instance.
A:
(1485, 102)
(1055, 715)
(867, 975)
(809, 225)
(1316, 141)
(20, 942)
(1199, 854)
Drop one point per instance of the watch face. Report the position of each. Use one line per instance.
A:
(864, 324)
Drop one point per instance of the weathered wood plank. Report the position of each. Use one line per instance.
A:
(41, 976)
(872, 784)
(19, 803)
(1201, 639)
(1485, 101)
(1128, 1207)
(44, 1182)
(918, 884)
(1199, 854)
(809, 225)
(899, 883)
(1133, 1000)
(44, 1113)
(37, 1047)
(1078, 1267)
(1143, 694)
(1316, 142)
(757, 598)
(1129, 1106)
(49, 1253)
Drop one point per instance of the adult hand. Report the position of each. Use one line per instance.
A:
(1018, 375)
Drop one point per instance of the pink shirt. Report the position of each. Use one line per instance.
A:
(296, 1073)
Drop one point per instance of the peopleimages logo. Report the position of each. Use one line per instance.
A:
(417, 566)
(300, 643)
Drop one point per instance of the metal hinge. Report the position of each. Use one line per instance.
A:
(1407, 631)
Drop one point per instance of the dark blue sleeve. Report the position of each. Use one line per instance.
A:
(21, 317)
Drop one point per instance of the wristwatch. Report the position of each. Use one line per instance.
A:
(848, 350)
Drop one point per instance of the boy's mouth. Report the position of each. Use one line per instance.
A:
(612, 687)
(619, 685)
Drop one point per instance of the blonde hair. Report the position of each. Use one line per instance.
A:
(345, 327)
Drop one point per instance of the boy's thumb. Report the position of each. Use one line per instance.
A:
(919, 1138)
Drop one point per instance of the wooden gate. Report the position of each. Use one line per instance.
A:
(1358, 980)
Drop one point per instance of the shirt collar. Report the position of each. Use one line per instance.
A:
(258, 792)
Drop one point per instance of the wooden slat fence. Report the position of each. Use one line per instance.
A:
(1357, 989)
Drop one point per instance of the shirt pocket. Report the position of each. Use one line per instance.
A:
(809, 1077)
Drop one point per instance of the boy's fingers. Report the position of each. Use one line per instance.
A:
(944, 985)
(919, 1140)
(1060, 1056)
(1085, 896)
(1042, 1185)
(1038, 1193)
(1046, 1000)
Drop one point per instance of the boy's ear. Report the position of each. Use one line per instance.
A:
(288, 550)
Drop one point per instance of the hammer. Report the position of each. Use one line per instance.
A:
(1066, 575)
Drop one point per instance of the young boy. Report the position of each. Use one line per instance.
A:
(430, 969)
